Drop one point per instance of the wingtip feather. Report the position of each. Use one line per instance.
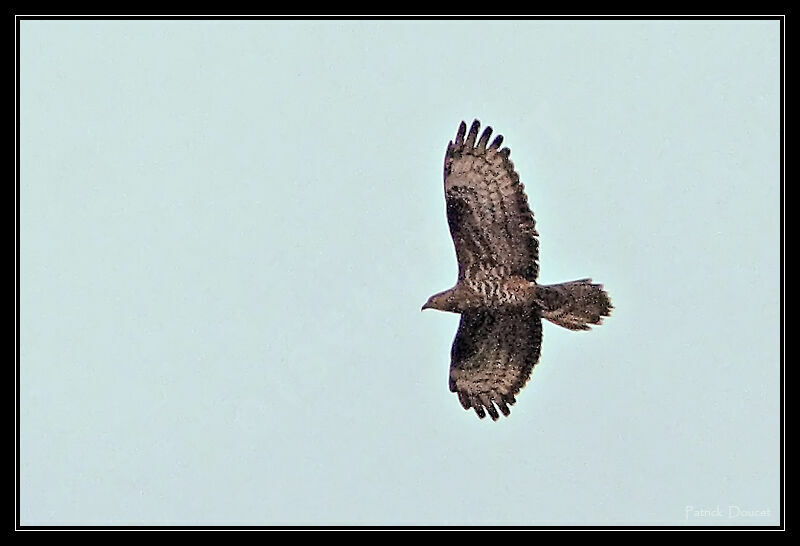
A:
(473, 134)
(462, 130)
(484, 140)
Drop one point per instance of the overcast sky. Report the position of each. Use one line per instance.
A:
(228, 229)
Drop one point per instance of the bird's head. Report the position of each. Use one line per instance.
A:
(443, 301)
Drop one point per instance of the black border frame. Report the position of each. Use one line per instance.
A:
(780, 16)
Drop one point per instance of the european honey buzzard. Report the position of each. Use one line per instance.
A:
(499, 338)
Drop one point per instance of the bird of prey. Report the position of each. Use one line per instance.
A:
(499, 337)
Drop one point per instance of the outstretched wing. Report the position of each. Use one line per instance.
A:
(487, 210)
(492, 358)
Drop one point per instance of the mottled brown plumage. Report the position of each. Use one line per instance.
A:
(499, 338)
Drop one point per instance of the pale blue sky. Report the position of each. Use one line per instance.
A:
(228, 229)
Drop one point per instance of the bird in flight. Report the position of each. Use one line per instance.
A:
(499, 338)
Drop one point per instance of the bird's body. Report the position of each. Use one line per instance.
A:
(488, 290)
(501, 305)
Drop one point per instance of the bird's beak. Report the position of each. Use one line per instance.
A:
(426, 306)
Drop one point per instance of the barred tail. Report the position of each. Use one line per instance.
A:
(574, 305)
